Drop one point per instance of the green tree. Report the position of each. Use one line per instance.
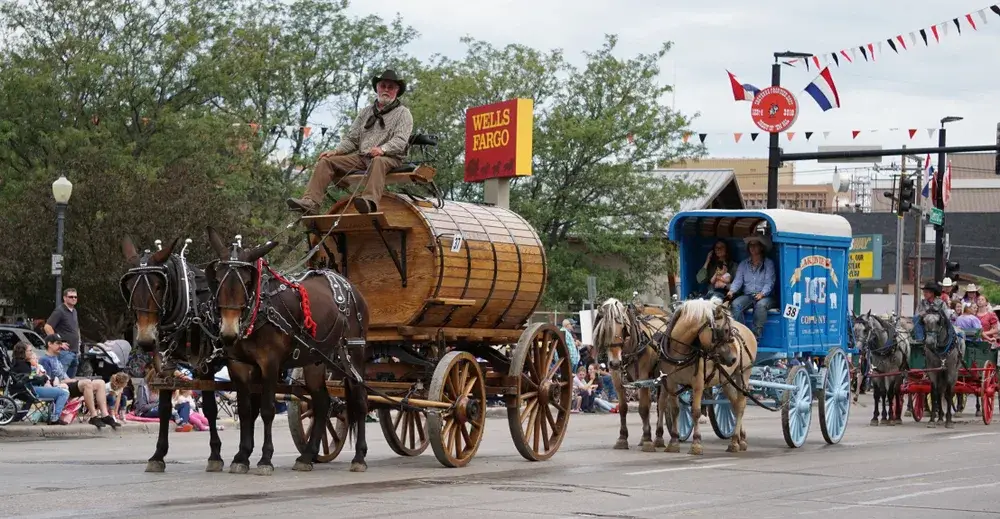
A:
(599, 130)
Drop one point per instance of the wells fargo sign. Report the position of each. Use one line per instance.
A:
(498, 140)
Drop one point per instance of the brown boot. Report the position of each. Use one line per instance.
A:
(305, 205)
(364, 206)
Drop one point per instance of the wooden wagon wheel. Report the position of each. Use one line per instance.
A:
(455, 433)
(988, 391)
(544, 393)
(300, 419)
(404, 431)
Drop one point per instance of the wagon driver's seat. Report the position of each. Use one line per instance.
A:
(414, 172)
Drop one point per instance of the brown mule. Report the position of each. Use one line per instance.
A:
(317, 323)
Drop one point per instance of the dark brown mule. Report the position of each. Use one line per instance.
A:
(267, 321)
(168, 298)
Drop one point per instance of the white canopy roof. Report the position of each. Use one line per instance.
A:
(785, 220)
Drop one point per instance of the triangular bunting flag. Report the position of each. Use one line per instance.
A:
(306, 131)
(913, 131)
(880, 47)
(944, 29)
(873, 131)
(854, 133)
(737, 136)
(835, 58)
(808, 135)
(753, 136)
(982, 16)
(936, 37)
(854, 53)
(871, 51)
(816, 61)
(971, 22)
(686, 137)
(806, 61)
(923, 35)
(899, 37)
(957, 25)
(826, 135)
(913, 39)
(846, 56)
(274, 129)
(863, 52)
(322, 131)
(930, 132)
(790, 135)
(892, 44)
(995, 8)
(826, 59)
(701, 137)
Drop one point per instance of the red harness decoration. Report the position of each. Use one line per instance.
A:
(307, 319)
(256, 299)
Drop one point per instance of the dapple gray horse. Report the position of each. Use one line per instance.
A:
(887, 347)
(944, 349)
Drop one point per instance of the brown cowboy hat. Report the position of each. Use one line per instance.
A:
(389, 75)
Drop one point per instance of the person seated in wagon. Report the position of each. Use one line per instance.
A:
(717, 272)
(377, 141)
(755, 279)
(931, 302)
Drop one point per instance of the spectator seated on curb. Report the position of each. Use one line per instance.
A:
(92, 391)
(115, 389)
(147, 404)
(26, 364)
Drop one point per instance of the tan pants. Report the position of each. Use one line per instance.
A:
(331, 169)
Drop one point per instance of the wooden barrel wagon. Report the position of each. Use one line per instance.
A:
(977, 377)
(450, 287)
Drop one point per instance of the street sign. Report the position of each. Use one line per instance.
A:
(864, 261)
(937, 216)
(774, 109)
(57, 264)
(592, 288)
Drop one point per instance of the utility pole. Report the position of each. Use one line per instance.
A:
(939, 201)
(900, 233)
(773, 152)
(919, 233)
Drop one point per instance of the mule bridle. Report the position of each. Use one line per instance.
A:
(234, 266)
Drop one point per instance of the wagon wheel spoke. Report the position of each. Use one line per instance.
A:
(403, 422)
(465, 438)
(528, 409)
(552, 371)
(543, 420)
(396, 419)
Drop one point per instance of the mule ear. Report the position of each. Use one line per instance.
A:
(259, 252)
(128, 249)
(215, 240)
(162, 255)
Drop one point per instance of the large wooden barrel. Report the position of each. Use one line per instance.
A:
(467, 265)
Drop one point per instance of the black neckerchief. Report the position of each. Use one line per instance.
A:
(377, 114)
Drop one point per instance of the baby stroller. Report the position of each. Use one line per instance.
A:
(107, 358)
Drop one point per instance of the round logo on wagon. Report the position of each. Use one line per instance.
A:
(774, 109)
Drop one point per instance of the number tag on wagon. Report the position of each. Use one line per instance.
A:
(791, 312)
(456, 243)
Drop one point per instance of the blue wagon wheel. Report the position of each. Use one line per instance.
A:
(835, 399)
(685, 423)
(721, 415)
(796, 411)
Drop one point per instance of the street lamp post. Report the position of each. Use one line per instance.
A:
(773, 151)
(62, 188)
(939, 200)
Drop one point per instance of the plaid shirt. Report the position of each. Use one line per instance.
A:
(393, 139)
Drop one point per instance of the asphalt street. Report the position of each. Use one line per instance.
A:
(876, 472)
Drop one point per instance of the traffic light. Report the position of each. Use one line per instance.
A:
(907, 194)
(951, 269)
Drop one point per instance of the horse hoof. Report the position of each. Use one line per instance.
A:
(648, 446)
(302, 467)
(696, 449)
(673, 446)
(733, 447)
(264, 470)
(932, 425)
(907, 413)
(358, 467)
(897, 421)
(239, 468)
(215, 466)
(621, 444)
(743, 446)
(958, 414)
(659, 443)
(156, 466)
(883, 422)
(874, 423)
(949, 425)
(979, 414)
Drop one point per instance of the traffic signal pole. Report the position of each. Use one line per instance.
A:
(900, 233)
(939, 203)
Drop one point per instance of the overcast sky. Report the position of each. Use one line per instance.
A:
(912, 89)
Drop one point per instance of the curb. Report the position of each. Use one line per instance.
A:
(80, 430)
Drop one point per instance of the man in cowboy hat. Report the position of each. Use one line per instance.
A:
(377, 141)
(931, 302)
(946, 289)
(755, 278)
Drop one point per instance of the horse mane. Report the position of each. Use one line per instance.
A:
(694, 311)
(610, 309)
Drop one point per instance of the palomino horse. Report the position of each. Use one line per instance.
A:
(887, 349)
(943, 352)
(700, 350)
(316, 323)
(630, 339)
(168, 298)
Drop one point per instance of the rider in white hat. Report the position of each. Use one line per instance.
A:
(947, 286)
(971, 293)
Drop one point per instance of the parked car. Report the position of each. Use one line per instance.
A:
(11, 335)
